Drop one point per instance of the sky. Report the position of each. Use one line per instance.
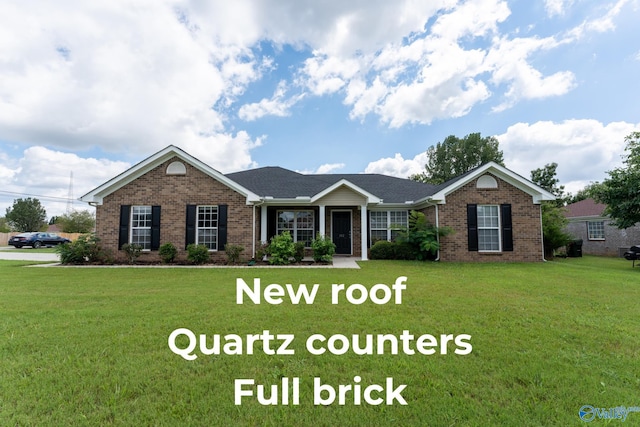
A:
(88, 89)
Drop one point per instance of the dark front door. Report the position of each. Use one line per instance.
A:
(341, 232)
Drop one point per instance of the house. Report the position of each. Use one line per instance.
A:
(587, 222)
(174, 197)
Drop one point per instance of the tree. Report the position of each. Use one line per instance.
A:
(621, 191)
(26, 215)
(588, 192)
(553, 219)
(4, 227)
(546, 178)
(77, 222)
(455, 156)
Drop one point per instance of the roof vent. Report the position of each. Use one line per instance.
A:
(486, 181)
(176, 168)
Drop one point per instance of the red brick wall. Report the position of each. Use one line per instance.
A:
(173, 193)
(527, 236)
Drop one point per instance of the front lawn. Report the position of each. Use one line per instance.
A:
(89, 346)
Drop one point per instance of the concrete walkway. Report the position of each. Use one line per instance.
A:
(27, 254)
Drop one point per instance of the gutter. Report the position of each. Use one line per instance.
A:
(437, 234)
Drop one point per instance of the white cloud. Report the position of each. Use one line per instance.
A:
(278, 105)
(45, 174)
(557, 7)
(508, 60)
(329, 168)
(583, 149)
(599, 24)
(323, 169)
(125, 78)
(136, 77)
(398, 166)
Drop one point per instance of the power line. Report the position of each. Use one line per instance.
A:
(54, 198)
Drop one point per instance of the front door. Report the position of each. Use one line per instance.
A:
(341, 231)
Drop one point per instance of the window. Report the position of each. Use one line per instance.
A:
(207, 227)
(595, 230)
(141, 226)
(300, 224)
(488, 228)
(385, 225)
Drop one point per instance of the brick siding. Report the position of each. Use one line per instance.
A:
(173, 193)
(615, 243)
(527, 237)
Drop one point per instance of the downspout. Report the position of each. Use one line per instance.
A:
(542, 233)
(437, 233)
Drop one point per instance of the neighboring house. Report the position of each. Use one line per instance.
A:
(174, 197)
(588, 223)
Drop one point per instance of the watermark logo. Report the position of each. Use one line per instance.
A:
(589, 413)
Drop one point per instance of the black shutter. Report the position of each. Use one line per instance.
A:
(123, 234)
(472, 227)
(155, 228)
(222, 227)
(190, 236)
(507, 231)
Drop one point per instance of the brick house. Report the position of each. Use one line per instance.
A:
(174, 197)
(588, 223)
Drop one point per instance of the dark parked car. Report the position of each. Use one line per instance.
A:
(37, 240)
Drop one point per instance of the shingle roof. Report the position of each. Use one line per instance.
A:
(587, 207)
(283, 183)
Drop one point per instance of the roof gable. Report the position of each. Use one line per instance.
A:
(97, 195)
(537, 193)
(585, 208)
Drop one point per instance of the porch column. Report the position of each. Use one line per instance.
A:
(363, 231)
(263, 223)
(323, 230)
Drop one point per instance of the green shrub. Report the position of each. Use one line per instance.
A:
(197, 254)
(403, 251)
(323, 249)
(233, 253)
(133, 251)
(298, 254)
(262, 250)
(421, 236)
(383, 249)
(168, 252)
(86, 249)
(281, 249)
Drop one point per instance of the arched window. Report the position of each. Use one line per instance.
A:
(486, 181)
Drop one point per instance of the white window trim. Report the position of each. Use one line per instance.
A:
(499, 227)
(198, 228)
(589, 231)
(131, 227)
(294, 230)
(388, 228)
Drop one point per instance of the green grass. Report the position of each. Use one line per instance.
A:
(88, 346)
